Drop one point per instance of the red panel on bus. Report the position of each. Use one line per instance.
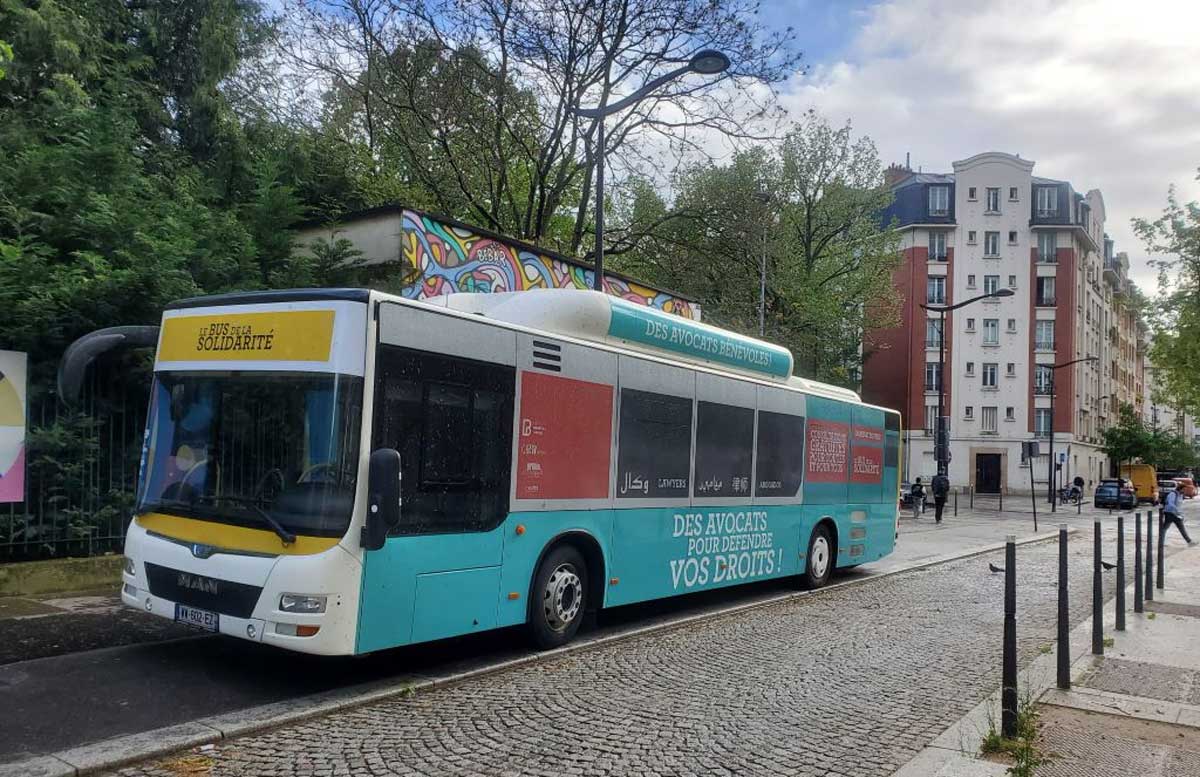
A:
(866, 464)
(828, 444)
(565, 438)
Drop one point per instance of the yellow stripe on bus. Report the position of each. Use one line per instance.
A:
(293, 335)
(226, 537)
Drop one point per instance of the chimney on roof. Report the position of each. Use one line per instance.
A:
(894, 173)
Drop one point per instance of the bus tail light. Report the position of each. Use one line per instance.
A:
(294, 630)
(307, 603)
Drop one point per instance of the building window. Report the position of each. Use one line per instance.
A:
(987, 419)
(970, 368)
(655, 445)
(991, 284)
(1012, 194)
(933, 332)
(930, 419)
(1010, 369)
(935, 290)
(991, 243)
(933, 374)
(971, 281)
(971, 194)
(1047, 247)
(1043, 336)
(968, 412)
(971, 237)
(993, 200)
(1047, 201)
(937, 246)
(1043, 379)
(1041, 422)
(1010, 414)
(990, 370)
(939, 200)
(970, 325)
(1045, 292)
(1012, 237)
(991, 331)
(1012, 325)
(1012, 281)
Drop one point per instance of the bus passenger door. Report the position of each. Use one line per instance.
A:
(444, 396)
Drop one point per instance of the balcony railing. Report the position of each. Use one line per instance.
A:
(1047, 258)
(1046, 213)
(937, 257)
(1046, 301)
(1041, 432)
(935, 299)
(933, 343)
(1042, 391)
(931, 387)
(1043, 345)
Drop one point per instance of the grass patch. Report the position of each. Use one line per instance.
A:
(1109, 641)
(1021, 751)
(1150, 616)
(1046, 649)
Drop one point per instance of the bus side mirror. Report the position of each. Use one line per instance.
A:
(383, 497)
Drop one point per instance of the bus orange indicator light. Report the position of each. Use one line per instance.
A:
(520, 528)
(307, 631)
(513, 596)
(614, 581)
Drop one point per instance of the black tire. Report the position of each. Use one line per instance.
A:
(558, 598)
(819, 561)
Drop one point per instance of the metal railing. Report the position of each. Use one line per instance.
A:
(81, 470)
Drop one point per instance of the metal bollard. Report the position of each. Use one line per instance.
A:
(1097, 595)
(1002, 500)
(1079, 506)
(956, 503)
(1137, 563)
(1162, 535)
(1120, 572)
(1008, 695)
(1148, 586)
(972, 497)
(1064, 613)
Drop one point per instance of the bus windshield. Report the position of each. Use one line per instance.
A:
(269, 450)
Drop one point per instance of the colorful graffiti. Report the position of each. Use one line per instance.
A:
(452, 259)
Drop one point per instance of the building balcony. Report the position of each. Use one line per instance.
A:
(938, 257)
(1042, 391)
(933, 343)
(1045, 302)
(1043, 346)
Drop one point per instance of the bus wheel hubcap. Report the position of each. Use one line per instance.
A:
(820, 556)
(562, 598)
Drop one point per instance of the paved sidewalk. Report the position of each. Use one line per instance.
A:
(1133, 711)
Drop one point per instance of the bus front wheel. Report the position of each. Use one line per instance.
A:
(819, 562)
(559, 598)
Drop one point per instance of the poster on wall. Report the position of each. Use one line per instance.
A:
(12, 426)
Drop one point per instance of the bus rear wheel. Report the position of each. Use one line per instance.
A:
(819, 561)
(559, 598)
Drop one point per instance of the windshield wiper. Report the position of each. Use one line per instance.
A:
(285, 535)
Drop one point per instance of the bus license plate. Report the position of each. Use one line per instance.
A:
(201, 619)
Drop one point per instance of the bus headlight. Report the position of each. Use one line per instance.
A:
(130, 567)
(302, 603)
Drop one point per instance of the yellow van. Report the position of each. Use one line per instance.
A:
(1144, 480)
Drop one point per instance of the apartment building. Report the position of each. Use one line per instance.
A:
(992, 224)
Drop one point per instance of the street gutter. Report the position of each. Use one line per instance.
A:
(132, 748)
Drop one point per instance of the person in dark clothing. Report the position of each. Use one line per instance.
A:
(1170, 499)
(941, 490)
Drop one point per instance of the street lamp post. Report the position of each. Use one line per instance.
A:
(1053, 390)
(765, 198)
(941, 446)
(706, 62)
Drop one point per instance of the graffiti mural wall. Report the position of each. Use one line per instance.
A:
(454, 259)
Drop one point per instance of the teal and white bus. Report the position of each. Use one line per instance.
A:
(343, 471)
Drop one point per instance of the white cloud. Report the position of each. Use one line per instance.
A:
(1103, 94)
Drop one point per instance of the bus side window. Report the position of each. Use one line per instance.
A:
(655, 447)
(724, 450)
(451, 421)
(780, 468)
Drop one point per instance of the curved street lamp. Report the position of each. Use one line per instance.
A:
(706, 62)
(1053, 390)
(941, 446)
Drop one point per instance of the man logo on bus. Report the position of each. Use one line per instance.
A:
(202, 551)
(197, 583)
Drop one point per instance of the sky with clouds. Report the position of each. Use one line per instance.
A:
(1104, 94)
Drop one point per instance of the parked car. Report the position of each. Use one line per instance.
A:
(1187, 487)
(906, 494)
(1110, 493)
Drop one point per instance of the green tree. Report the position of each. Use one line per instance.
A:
(808, 208)
(1175, 314)
(1127, 439)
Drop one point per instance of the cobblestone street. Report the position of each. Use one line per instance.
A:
(851, 682)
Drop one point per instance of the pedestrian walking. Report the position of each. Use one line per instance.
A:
(918, 498)
(941, 490)
(1170, 499)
